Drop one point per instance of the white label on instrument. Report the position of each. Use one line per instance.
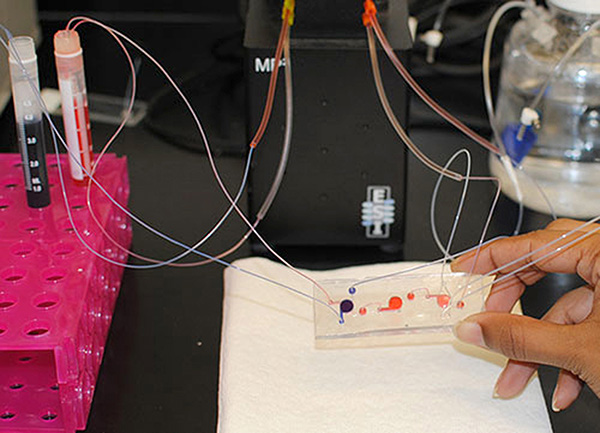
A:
(266, 65)
(378, 212)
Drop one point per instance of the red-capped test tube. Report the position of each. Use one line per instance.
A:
(71, 82)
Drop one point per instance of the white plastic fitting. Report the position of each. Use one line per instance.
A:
(529, 117)
(432, 38)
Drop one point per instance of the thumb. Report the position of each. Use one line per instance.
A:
(522, 338)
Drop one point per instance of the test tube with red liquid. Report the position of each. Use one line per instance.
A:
(76, 118)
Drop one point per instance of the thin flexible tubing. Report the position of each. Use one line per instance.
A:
(441, 15)
(171, 261)
(437, 26)
(562, 62)
(556, 70)
(266, 205)
(396, 125)
(7, 32)
(443, 171)
(537, 250)
(284, 34)
(446, 250)
(394, 120)
(289, 122)
(422, 94)
(504, 158)
(264, 208)
(560, 65)
(211, 158)
(268, 201)
(418, 90)
(422, 266)
(56, 133)
(539, 259)
(468, 177)
(484, 232)
(487, 87)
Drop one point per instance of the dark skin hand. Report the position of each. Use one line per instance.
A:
(568, 336)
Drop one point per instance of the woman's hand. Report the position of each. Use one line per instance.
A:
(568, 336)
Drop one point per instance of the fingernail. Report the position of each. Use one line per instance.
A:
(495, 393)
(555, 407)
(469, 332)
(497, 385)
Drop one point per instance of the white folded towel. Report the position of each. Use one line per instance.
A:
(273, 380)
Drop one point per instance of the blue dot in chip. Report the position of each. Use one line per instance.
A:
(346, 306)
(352, 290)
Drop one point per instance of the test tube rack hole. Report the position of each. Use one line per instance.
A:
(56, 297)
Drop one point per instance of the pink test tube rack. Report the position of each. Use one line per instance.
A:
(56, 297)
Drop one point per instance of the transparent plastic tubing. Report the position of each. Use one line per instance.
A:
(268, 200)
(274, 189)
(394, 120)
(285, 152)
(437, 26)
(425, 265)
(489, 101)
(487, 50)
(422, 94)
(170, 262)
(443, 171)
(445, 250)
(533, 262)
(56, 134)
(285, 30)
(285, 33)
(560, 65)
(374, 23)
(489, 104)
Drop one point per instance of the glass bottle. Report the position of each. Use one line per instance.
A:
(564, 160)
